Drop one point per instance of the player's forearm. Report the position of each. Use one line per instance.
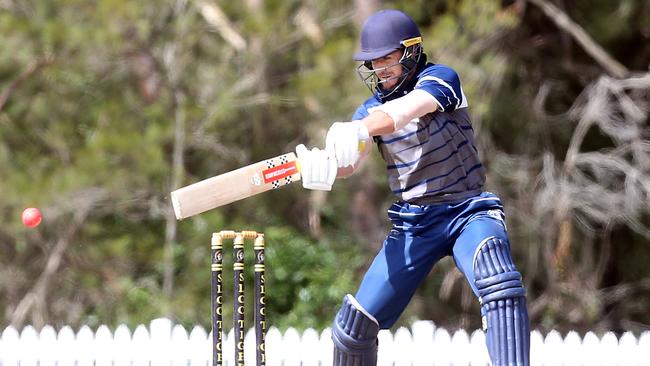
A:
(345, 172)
(397, 113)
(379, 123)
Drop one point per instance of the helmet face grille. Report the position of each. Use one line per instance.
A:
(408, 62)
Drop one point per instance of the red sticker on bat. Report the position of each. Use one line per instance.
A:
(279, 172)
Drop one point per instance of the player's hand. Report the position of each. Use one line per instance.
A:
(317, 168)
(344, 139)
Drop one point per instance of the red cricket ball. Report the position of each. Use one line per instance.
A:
(32, 217)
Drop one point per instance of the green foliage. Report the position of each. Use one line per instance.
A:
(307, 279)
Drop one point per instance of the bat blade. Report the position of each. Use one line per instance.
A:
(235, 185)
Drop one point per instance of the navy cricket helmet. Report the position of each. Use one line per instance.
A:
(383, 33)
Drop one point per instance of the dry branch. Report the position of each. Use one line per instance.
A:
(30, 70)
(216, 18)
(609, 186)
(562, 20)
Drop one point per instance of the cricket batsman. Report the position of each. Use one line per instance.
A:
(418, 119)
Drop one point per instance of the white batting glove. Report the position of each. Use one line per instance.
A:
(317, 168)
(344, 140)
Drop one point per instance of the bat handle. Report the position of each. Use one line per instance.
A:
(362, 145)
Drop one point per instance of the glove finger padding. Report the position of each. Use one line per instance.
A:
(316, 168)
(316, 165)
(340, 153)
(333, 168)
(305, 164)
(323, 172)
(343, 138)
(352, 149)
(330, 140)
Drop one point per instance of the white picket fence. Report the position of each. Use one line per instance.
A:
(166, 344)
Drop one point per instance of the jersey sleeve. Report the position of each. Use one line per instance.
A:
(364, 109)
(443, 84)
(360, 113)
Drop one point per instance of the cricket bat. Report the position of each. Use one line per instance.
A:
(235, 185)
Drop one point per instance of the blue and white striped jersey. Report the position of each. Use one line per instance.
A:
(433, 158)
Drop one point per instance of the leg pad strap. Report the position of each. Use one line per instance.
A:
(355, 335)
